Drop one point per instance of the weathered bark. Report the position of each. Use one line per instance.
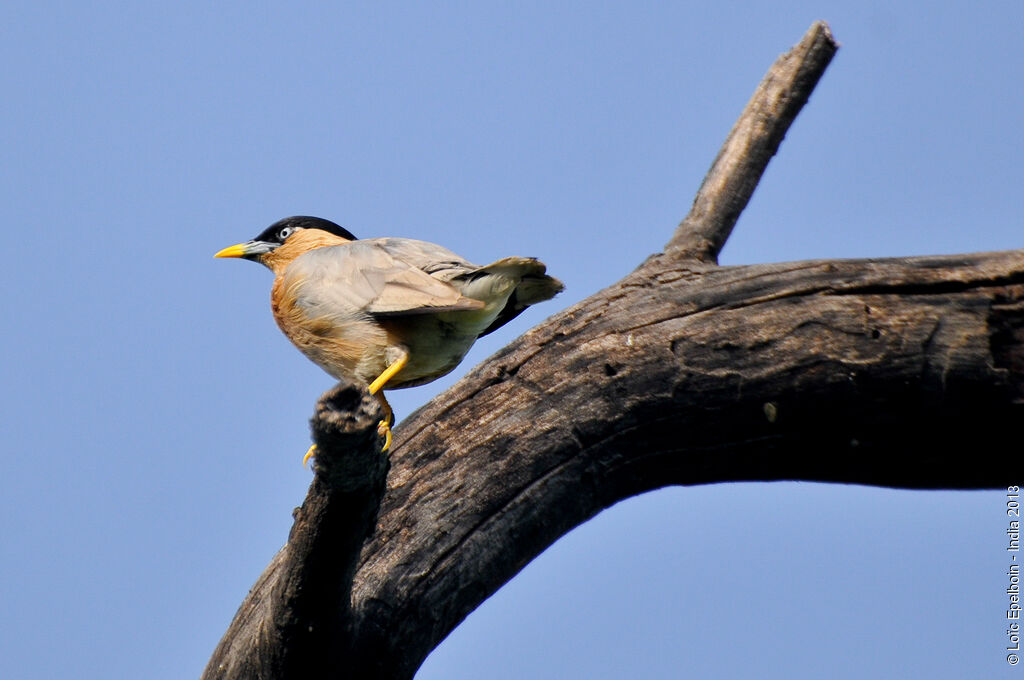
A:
(898, 372)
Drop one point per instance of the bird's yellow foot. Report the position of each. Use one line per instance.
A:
(384, 430)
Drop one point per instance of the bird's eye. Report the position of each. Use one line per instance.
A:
(285, 233)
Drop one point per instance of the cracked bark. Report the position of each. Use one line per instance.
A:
(901, 372)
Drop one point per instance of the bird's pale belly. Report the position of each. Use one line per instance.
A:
(363, 349)
(436, 344)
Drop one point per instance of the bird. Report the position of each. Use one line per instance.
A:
(390, 312)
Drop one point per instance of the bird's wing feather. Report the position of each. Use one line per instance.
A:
(431, 258)
(364, 277)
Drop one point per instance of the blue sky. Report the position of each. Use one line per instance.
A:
(153, 418)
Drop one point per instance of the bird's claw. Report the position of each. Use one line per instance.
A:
(384, 430)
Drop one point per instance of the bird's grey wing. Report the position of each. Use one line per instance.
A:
(519, 281)
(363, 277)
(431, 258)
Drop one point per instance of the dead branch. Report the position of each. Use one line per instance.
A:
(901, 372)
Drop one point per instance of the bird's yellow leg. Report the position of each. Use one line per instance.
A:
(384, 427)
(389, 373)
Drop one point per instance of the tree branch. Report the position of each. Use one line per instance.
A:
(899, 372)
(296, 621)
(884, 372)
(751, 143)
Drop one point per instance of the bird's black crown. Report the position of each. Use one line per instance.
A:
(272, 234)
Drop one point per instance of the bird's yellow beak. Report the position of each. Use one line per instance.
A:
(237, 250)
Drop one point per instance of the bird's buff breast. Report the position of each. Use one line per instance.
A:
(349, 347)
(360, 346)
